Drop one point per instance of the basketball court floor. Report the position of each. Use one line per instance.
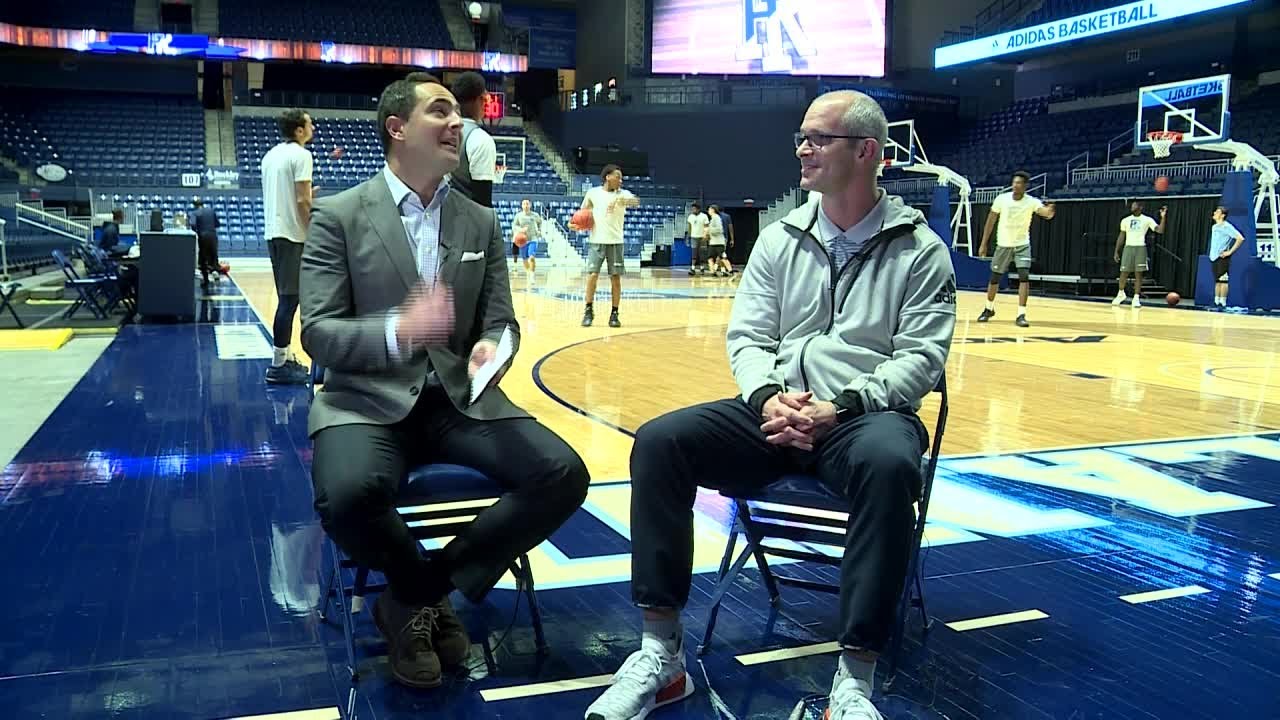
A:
(1103, 541)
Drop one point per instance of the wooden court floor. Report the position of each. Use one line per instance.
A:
(1084, 373)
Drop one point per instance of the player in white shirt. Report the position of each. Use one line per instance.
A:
(286, 205)
(698, 223)
(1010, 217)
(717, 258)
(608, 205)
(478, 158)
(1131, 249)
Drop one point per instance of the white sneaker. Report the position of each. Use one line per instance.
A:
(1119, 299)
(849, 703)
(1137, 302)
(649, 679)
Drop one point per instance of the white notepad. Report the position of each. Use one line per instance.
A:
(486, 372)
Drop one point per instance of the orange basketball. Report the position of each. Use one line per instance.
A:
(1173, 299)
(521, 239)
(583, 219)
(1162, 183)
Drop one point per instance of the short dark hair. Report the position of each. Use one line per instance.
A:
(291, 121)
(117, 214)
(468, 86)
(609, 170)
(198, 203)
(695, 205)
(1224, 210)
(1022, 174)
(399, 99)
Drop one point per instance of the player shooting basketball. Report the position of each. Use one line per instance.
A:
(1010, 217)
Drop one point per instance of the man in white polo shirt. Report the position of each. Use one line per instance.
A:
(1012, 211)
(1133, 257)
(286, 205)
(698, 223)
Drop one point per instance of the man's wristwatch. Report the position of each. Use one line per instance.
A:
(848, 406)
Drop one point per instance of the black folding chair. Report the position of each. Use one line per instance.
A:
(89, 290)
(7, 293)
(789, 510)
(436, 501)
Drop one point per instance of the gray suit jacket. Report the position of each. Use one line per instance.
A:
(357, 265)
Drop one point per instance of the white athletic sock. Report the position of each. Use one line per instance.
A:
(664, 634)
(991, 305)
(1022, 310)
(279, 356)
(1219, 300)
(860, 671)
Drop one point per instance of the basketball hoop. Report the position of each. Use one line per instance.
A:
(1162, 142)
(499, 172)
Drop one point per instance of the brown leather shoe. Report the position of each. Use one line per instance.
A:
(450, 638)
(408, 632)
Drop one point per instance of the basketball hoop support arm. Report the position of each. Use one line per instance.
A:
(962, 219)
(1247, 157)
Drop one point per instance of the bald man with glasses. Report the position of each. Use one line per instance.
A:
(840, 327)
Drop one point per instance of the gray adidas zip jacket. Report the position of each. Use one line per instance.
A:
(876, 331)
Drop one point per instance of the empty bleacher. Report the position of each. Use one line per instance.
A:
(115, 140)
(363, 156)
(96, 14)
(392, 23)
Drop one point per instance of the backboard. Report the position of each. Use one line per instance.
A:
(1196, 108)
(901, 150)
(511, 152)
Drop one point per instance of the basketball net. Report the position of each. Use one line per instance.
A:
(1162, 142)
(499, 172)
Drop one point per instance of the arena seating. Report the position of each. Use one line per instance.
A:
(363, 154)
(115, 140)
(97, 14)
(392, 23)
(242, 232)
(28, 248)
(1051, 10)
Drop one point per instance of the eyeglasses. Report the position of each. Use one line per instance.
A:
(821, 140)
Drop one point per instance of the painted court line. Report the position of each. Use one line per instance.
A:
(1165, 594)
(995, 620)
(316, 714)
(769, 656)
(546, 688)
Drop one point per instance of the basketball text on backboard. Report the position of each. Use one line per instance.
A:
(1195, 108)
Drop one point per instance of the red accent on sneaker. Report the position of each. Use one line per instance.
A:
(673, 691)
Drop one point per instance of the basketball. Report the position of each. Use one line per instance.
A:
(1162, 183)
(1173, 299)
(583, 220)
(521, 239)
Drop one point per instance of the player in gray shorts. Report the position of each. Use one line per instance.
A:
(1019, 257)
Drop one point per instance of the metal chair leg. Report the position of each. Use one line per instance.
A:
(718, 594)
(714, 612)
(328, 593)
(525, 578)
(348, 632)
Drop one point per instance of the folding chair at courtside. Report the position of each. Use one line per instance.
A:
(799, 512)
(89, 291)
(7, 293)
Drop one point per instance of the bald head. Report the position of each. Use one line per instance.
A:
(859, 114)
(844, 135)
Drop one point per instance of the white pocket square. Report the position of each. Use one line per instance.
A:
(469, 256)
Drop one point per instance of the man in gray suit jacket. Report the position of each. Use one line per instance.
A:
(404, 297)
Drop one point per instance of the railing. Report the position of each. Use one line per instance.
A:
(910, 185)
(1081, 160)
(1190, 169)
(1119, 144)
(49, 221)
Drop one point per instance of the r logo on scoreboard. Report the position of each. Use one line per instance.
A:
(764, 24)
